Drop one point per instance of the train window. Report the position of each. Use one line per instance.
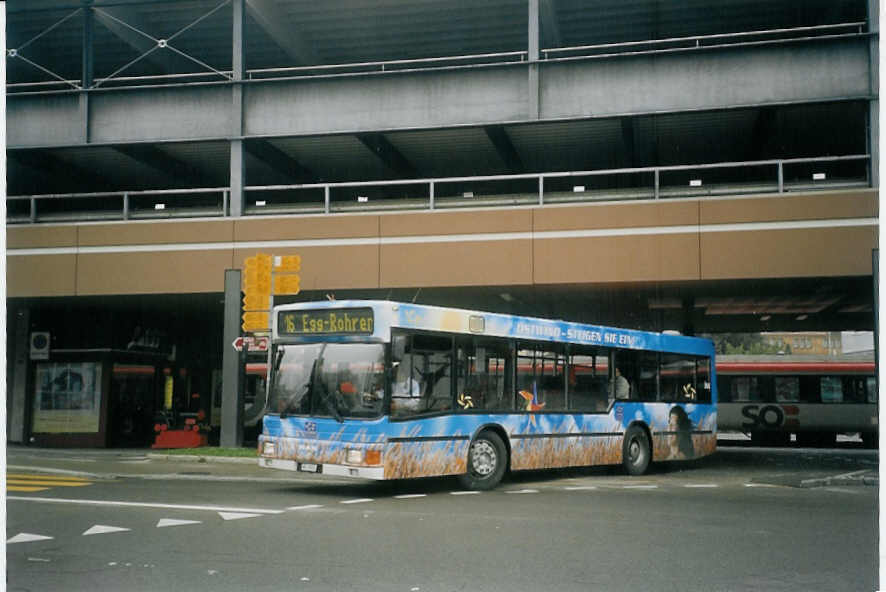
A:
(854, 389)
(744, 388)
(787, 389)
(872, 389)
(831, 389)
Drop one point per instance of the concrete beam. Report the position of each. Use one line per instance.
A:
(281, 162)
(502, 142)
(389, 155)
(283, 31)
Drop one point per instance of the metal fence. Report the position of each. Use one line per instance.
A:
(534, 189)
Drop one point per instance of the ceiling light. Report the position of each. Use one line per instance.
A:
(160, 206)
(578, 189)
(261, 202)
(818, 176)
(695, 183)
(765, 317)
(506, 297)
(802, 317)
(362, 198)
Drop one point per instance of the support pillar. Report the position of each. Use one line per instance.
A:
(17, 397)
(87, 68)
(238, 68)
(232, 377)
(534, 41)
(874, 104)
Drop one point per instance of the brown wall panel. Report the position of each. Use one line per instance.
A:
(151, 233)
(172, 272)
(617, 259)
(462, 222)
(306, 227)
(40, 275)
(40, 237)
(627, 215)
(810, 206)
(456, 264)
(327, 268)
(787, 253)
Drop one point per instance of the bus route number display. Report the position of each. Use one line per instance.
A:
(350, 321)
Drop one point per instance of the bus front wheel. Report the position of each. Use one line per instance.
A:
(636, 454)
(487, 461)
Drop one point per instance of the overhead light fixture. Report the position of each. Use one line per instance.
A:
(802, 317)
(261, 203)
(765, 317)
(362, 199)
(695, 183)
(578, 189)
(818, 176)
(506, 297)
(468, 194)
(159, 206)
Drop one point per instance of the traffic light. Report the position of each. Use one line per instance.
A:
(287, 263)
(256, 321)
(287, 284)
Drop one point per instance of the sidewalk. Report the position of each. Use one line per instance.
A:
(107, 464)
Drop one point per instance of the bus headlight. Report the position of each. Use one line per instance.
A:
(355, 456)
(268, 449)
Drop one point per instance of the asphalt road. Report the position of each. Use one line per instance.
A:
(745, 519)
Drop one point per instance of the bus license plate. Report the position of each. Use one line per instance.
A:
(307, 467)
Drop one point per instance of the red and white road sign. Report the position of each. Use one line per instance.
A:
(253, 344)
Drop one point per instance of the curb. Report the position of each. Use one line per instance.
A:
(202, 459)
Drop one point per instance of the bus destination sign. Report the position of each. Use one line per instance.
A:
(350, 321)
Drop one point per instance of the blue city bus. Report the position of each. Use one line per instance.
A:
(390, 390)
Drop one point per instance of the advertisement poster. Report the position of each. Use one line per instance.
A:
(68, 398)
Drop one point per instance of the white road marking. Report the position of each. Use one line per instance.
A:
(410, 495)
(464, 493)
(102, 529)
(639, 486)
(307, 507)
(362, 500)
(25, 537)
(54, 500)
(39, 559)
(759, 485)
(164, 522)
(237, 515)
(580, 488)
(522, 491)
(701, 485)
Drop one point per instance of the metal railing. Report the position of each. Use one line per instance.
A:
(582, 52)
(429, 194)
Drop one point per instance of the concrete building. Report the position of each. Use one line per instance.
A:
(690, 166)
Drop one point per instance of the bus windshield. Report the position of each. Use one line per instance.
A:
(339, 380)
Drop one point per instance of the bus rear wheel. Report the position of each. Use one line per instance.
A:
(636, 454)
(487, 462)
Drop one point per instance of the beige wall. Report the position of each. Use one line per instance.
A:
(806, 235)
